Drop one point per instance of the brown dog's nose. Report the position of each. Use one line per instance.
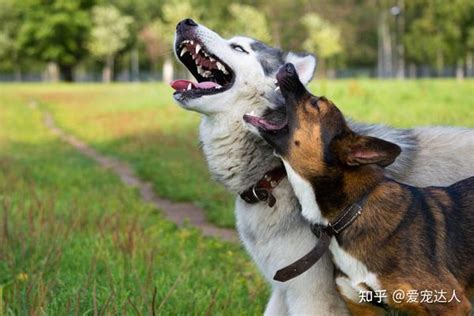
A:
(184, 24)
(290, 69)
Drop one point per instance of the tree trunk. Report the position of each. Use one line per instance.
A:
(17, 67)
(331, 73)
(153, 70)
(108, 70)
(469, 65)
(412, 70)
(384, 63)
(66, 72)
(460, 70)
(439, 63)
(168, 70)
(18, 75)
(322, 65)
(135, 60)
(330, 68)
(400, 46)
(52, 72)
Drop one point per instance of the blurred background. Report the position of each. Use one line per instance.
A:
(76, 240)
(125, 40)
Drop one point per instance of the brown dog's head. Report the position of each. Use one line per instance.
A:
(314, 136)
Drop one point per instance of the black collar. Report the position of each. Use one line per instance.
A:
(324, 233)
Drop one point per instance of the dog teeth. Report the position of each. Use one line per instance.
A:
(221, 67)
(198, 54)
(189, 86)
(277, 89)
(200, 70)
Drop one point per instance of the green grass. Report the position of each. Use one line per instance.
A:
(403, 103)
(142, 125)
(74, 240)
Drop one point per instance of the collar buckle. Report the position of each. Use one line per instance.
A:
(262, 190)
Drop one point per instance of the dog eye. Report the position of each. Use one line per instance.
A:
(238, 48)
(314, 102)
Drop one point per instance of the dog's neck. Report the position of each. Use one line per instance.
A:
(337, 190)
(236, 157)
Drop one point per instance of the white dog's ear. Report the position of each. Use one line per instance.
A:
(305, 65)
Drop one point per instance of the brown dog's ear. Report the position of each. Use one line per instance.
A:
(364, 150)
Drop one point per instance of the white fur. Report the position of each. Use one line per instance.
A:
(356, 271)
(305, 194)
(275, 237)
(346, 289)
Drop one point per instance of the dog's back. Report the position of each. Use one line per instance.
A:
(458, 211)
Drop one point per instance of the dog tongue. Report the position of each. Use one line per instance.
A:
(182, 84)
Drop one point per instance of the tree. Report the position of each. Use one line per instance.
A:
(9, 24)
(357, 22)
(470, 51)
(438, 44)
(152, 37)
(284, 21)
(384, 41)
(109, 35)
(56, 31)
(248, 20)
(323, 38)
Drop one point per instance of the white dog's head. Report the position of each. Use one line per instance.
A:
(233, 73)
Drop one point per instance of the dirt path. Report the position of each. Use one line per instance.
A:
(178, 213)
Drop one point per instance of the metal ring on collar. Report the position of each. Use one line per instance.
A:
(255, 193)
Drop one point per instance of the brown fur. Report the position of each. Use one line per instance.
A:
(410, 238)
(362, 309)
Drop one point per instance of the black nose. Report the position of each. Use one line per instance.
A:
(290, 69)
(186, 23)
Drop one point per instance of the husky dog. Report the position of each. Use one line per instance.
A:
(236, 76)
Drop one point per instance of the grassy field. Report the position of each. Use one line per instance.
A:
(74, 240)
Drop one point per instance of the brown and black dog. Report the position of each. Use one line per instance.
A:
(403, 242)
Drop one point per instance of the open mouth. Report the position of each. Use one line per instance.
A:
(266, 124)
(273, 120)
(212, 74)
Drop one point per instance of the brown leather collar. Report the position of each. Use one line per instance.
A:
(262, 190)
(324, 233)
